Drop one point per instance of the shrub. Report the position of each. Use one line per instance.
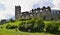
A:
(25, 19)
(22, 26)
(39, 26)
(44, 18)
(32, 25)
(3, 21)
(52, 19)
(11, 20)
(52, 28)
(25, 26)
(1, 26)
(11, 27)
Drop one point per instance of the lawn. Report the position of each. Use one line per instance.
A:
(4, 31)
(13, 32)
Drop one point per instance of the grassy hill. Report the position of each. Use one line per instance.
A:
(4, 31)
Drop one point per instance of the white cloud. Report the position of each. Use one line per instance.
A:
(2, 16)
(57, 4)
(42, 3)
(10, 6)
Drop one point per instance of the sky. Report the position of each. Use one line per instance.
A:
(7, 7)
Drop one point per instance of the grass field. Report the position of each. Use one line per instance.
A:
(4, 31)
(13, 32)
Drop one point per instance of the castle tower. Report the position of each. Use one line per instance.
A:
(43, 11)
(17, 12)
(48, 9)
(34, 12)
(48, 13)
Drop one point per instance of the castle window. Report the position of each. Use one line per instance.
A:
(30, 11)
(36, 11)
(46, 9)
(40, 10)
(59, 11)
(21, 14)
(31, 15)
(56, 12)
(53, 12)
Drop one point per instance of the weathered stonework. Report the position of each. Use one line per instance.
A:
(17, 12)
(39, 12)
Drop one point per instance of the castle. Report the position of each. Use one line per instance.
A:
(44, 12)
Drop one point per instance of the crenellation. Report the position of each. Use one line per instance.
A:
(44, 12)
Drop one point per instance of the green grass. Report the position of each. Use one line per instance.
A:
(13, 32)
(4, 31)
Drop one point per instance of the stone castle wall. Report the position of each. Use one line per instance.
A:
(39, 12)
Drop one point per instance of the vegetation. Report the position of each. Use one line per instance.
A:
(11, 27)
(52, 28)
(11, 20)
(33, 26)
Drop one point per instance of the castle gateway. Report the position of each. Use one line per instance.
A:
(44, 12)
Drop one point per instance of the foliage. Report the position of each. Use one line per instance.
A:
(52, 28)
(33, 25)
(15, 31)
(39, 25)
(11, 27)
(44, 18)
(3, 21)
(11, 20)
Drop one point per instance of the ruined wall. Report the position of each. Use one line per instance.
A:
(44, 12)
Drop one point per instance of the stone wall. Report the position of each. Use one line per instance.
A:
(17, 12)
(44, 12)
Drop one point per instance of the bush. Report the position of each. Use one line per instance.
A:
(11, 27)
(52, 28)
(32, 25)
(22, 26)
(44, 17)
(25, 26)
(1, 26)
(25, 19)
(39, 26)
(11, 20)
(3, 21)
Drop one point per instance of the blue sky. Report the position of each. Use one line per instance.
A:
(7, 7)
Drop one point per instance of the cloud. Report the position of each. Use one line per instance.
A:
(2, 16)
(57, 4)
(2, 6)
(43, 3)
(9, 6)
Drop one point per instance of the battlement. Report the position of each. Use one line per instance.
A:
(39, 12)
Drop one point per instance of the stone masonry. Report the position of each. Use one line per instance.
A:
(44, 12)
